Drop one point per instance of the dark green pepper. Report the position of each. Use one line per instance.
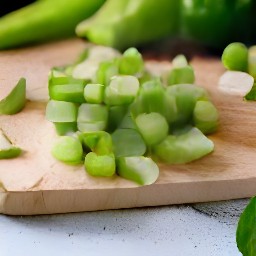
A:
(216, 23)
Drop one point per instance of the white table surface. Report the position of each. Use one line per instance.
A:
(206, 229)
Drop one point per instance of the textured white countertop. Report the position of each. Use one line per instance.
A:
(194, 230)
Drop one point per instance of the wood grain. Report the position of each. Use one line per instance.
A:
(36, 183)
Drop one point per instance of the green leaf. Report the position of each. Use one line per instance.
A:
(246, 230)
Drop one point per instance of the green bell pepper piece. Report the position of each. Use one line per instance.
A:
(92, 117)
(153, 127)
(15, 101)
(63, 114)
(116, 115)
(100, 142)
(235, 57)
(100, 165)
(205, 116)
(186, 96)
(152, 97)
(68, 149)
(140, 169)
(184, 148)
(128, 142)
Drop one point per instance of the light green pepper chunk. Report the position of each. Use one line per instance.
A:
(100, 142)
(186, 96)
(184, 148)
(140, 169)
(61, 111)
(92, 117)
(93, 93)
(63, 114)
(68, 149)
(68, 92)
(121, 90)
(153, 127)
(235, 57)
(100, 165)
(105, 71)
(128, 142)
(179, 61)
(131, 62)
(205, 116)
(181, 75)
(152, 97)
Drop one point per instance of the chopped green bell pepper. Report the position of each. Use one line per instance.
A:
(15, 101)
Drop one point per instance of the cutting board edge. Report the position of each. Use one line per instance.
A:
(71, 201)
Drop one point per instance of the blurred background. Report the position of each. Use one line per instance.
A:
(210, 24)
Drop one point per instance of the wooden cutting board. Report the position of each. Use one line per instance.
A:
(35, 183)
